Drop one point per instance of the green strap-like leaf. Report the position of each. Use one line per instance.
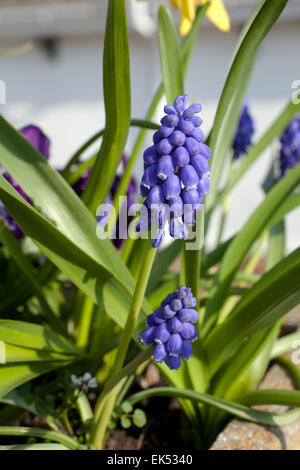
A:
(88, 274)
(227, 113)
(242, 411)
(262, 306)
(241, 244)
(170, 55)
(116, 88)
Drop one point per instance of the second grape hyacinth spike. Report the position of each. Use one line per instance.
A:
(176, 172)
(171, 328)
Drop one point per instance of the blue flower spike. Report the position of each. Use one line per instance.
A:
(290, 146)
(171, 328)
(176, 164)
(244, 133)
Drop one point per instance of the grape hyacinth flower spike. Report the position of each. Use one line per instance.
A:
(290, 146)
(244, 133)
(176, 172)
(171, 328)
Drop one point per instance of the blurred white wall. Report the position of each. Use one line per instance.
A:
(63, 93)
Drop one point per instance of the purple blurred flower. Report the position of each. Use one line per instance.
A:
(290, 146)
(244, 133)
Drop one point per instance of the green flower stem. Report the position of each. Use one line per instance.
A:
(41, 433)
(84, 313)
(84, 408)
(191, 260)
(105, 403)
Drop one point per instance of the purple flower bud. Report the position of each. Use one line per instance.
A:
(188, 331)
(169, 109)
(172, 187)
(205, 151)
(155, 196)
(151, 155)
(168, 312)
(150, 178)
(157, 240)
(196, 120)
(192, 198)
(162, 333)
(165, 131)
(145, 190)
(198, 134)
(173, 362)
(179, 103)
(156, 137)
(167, 299)
(37, 138)
(181, 157)
(178, 230)
(177, 138)
(176, 305)
(164, 147)
(189, 302)
(176, 207)
(200, 164)
(187, 127)
(174, 343)
(193, 146)
(189, 177)
(191, 110)
(147, 336)
(188, 315)
(171, 120)
(159, 353)
(174, 325)
(150, 320)
(158, 317)
(186, 350)
(161, 215)
(165, 167)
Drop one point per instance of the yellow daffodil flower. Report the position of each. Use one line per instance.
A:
(216, 13)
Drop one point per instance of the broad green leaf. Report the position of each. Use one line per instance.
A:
(23, 262)
(98, 283)
(34, 336)
(116, 88)
(170, 55)
(14, 375)
(241, 244)
(54, 198)
(23, 398)
(274, 295)
(229, 106)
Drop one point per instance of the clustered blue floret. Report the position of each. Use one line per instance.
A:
(176, 172)
(290, 146)
(244, 133)
(172, 328)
